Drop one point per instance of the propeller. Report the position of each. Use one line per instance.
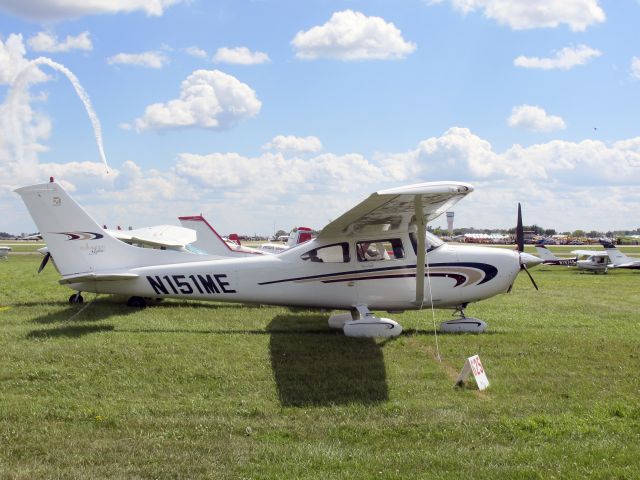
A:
(520, 231)
(44, 262)
(525, 258)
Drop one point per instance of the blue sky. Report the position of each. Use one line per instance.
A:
(279, 113)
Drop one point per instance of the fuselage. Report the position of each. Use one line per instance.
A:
(332, 274)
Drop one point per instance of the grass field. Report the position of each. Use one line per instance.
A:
(197, 390)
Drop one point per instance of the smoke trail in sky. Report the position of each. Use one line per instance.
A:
(18, 85)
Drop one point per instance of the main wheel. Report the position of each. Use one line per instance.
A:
(137, 302)
(76, 298)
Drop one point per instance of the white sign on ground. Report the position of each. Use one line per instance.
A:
(474, 365)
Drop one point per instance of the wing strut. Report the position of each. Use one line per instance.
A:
(421, 233)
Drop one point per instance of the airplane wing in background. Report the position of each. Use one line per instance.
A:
(392, 205)
(170, 236)
(589, 253)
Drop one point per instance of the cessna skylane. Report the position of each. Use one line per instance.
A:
(617, 258)
(376, 256)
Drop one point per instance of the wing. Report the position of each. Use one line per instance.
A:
(589, 253)
(397, 204)
(157, 236)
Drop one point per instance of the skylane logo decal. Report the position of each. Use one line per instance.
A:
(188, 285)
(81, 235)
(464, 274)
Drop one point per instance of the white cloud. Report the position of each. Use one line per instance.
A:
(240, 56)
(276, 174)
(635, 68)
(350, 35)
(47, 10)
(292, 190)
(292, 144)
(534, 118)
(196, 52)
(208, 99)
(13, 61)
(48, 42)
(525, 14)
(564, 59)
(145, 59)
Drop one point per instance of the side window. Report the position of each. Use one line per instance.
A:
(336, 253)
(379, 250)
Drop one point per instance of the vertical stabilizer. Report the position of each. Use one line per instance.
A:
(299, 235)
(75, 240)
(208, 239)
(545, 253)
(615, 256)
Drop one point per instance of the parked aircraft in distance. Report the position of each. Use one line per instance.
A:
(210, 241)
(596, 261)
(619, 259)
(548, 258)
(376, 256)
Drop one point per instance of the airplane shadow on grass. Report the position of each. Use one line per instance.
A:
(69, 331)
(321, 370)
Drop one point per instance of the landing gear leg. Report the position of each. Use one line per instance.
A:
(365, 324)
(463, 324)
(76, 298)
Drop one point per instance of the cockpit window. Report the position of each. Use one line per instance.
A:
(432, 242)
(336, 253)
(377, 250)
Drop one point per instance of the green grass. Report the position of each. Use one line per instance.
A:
(204, 390)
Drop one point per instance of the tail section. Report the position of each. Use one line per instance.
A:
(77, 242)
(299, 235)
(208, 239)
(545, 253)
(211, 242)
(235, 238)
(615, 255)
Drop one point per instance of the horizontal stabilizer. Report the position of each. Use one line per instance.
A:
(97, 277)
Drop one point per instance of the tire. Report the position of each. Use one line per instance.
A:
(76, 298)
(137, 302)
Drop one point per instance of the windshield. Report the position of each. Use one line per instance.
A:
(432, 241)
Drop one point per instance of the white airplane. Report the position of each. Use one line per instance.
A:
(4, 252)
(548, 258)
(376, 256)
(595, 261)
(619, 259)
